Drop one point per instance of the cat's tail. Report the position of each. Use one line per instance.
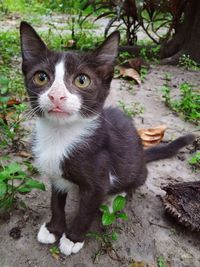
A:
(164, 151)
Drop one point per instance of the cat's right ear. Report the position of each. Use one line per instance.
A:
(107, 52)
(32, 45)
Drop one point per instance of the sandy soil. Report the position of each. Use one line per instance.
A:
(149, 232)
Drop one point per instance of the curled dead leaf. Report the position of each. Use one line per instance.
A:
(137, 63)
(129, 72)
(24, 154)
(10, 102)
(70, 44)
(152, 136)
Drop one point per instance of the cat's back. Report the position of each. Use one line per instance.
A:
(125, 148)
(118, 124)
(123, 136)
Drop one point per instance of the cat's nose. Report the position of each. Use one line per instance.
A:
(56, 98)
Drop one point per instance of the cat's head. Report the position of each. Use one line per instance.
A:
(64, 86)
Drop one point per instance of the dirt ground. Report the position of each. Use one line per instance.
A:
(149, 232)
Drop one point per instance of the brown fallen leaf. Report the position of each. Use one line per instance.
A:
(24, 154)
(70, 44)
(8, 116)
(129, 72)
(11, 102)
(137, 63)
(152, 136)
(55, 256)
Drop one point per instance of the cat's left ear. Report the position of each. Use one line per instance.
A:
(32, 46)
(107, 52)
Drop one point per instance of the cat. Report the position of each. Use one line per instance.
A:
(76, 140)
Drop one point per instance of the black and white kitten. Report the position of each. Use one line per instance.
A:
(77, 141)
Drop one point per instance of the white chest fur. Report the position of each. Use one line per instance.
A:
(53, 142)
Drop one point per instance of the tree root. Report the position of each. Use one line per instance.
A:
(173, 60)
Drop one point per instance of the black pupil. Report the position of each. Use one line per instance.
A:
(82, 79)
(42, 77)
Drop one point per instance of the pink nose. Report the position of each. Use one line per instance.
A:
(57, 98)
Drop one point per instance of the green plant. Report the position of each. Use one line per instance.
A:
(54, 250)
(189, 64)
(161, 261)
(14, 181)
(143, 53)
(30, 167)
(124, 56)
(143, 73)
(155, 51)
(109, 217)
(131, 110)
(195, 160)
(166, 95)
(11, 132)
(187, 104)
(109, 221)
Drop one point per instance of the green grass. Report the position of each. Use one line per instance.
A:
(43, 7)
(131, 110)
(189, 64)
(14, 181)
(195, 160)
(187, 104)
(23, 6)
(161, 261)
(10, 75)
(110, 227)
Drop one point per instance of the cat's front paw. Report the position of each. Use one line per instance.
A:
(44, 236)
(67, 247)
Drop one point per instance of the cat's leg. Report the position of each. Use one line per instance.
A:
(73, 240)
(49, 232)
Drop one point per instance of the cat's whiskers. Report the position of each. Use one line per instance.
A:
(31, 113)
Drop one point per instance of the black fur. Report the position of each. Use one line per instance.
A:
(164, 151)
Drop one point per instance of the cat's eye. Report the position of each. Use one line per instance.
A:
(40, 78)
(82, 81)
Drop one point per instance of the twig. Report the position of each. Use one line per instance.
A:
(159, 225)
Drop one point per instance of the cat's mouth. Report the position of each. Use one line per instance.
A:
(59, 112)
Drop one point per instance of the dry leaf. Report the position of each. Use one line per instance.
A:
(70, 43)
(131, 73)
(55, 256)
(152, 136)
(24, 154)
(11, 102)
(137, 63)
(8, 116)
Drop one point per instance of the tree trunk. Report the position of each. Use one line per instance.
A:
(186, 39)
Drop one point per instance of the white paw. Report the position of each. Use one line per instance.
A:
(44, 236)
(68, 247)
